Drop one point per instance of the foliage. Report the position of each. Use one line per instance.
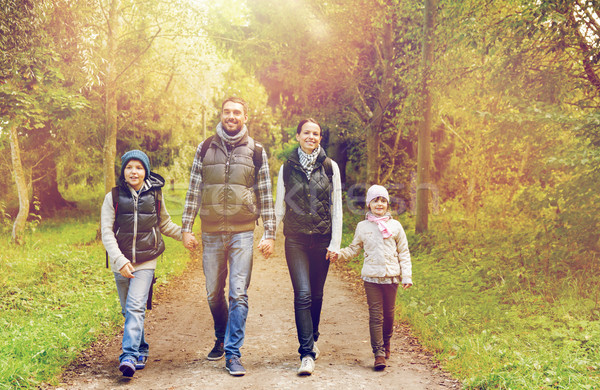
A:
(56, 297)
(489, 307)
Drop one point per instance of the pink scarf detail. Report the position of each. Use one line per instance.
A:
(383, 228)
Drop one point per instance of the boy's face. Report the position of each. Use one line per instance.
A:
(379, 206)
(134, 174)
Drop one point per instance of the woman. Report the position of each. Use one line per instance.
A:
(309, 201)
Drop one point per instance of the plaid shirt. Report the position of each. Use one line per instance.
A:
(265, 196)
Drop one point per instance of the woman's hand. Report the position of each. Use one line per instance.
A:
(127, 271)
(406, 286)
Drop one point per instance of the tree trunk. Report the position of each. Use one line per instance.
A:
(424, 152)
(110, 108)
(45, 188)
(386, 58)
(21, 183)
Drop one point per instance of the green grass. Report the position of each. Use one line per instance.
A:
(57, 297)
(485, 304)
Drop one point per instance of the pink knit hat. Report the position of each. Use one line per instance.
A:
(376, 191)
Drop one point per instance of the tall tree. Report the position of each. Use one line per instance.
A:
(424, 156)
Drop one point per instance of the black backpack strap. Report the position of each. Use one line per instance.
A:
(150, 293)
(257, 157)
(205, 146)
(328, 168)
(158, 202)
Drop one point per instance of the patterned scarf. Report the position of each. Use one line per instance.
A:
(308, 160)
(231, 140)
(381, 224)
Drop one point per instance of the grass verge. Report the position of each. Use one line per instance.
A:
(485, 305)
(57, 297)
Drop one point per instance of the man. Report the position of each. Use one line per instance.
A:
(230, 190)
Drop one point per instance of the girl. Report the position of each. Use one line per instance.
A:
(309, 201)
(131, 233)
(386, 253)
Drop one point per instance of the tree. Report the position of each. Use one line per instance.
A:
(424, 156)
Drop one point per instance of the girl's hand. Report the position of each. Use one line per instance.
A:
(406, 286)
(331, 256)
(127, 271)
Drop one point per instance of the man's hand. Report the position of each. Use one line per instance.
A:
(189, 241)
(127, 271)
(266, 247)
(331, 256)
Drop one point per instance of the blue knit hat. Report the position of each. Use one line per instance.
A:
(136, 155)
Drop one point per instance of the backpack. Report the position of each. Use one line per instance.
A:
(256, 156)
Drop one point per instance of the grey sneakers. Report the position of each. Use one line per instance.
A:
(234, 366)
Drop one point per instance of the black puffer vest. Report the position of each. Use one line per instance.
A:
(307, 203)
(138, 234)
(229, 202)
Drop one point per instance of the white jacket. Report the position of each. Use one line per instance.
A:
(383, 257)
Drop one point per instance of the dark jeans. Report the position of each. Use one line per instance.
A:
(381, 299)
(305, 256)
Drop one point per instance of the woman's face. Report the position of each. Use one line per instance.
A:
(309, 137)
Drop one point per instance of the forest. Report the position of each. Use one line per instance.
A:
(481, 117)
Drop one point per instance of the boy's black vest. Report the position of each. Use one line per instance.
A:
(307, 203)
(137, 223)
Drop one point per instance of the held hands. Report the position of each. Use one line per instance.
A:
(266, 247)
(189, 241)
(127, 271)
(331, 256)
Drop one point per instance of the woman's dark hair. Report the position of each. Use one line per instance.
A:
(303, 121)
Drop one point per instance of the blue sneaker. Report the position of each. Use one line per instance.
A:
(141, 362)
(234, 366)
(127, 367)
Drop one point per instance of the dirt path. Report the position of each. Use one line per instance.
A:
(180, 333)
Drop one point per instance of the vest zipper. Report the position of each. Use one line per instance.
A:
(135, 224)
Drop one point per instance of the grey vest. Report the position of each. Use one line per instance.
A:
(228, 200)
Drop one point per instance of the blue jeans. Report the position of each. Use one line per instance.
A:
(219, 251)
(305, 256)
(133, 295)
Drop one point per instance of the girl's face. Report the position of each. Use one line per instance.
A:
(379, 206)
(134, 174)
(309, 137)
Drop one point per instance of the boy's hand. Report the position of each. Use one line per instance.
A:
(406, 286)
(331, 256)
(127, 271)
(266, 247)
(189, 241)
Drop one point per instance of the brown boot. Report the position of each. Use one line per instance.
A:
(386, 347)
(379, 363)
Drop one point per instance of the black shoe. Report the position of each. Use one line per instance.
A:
(217, 352)
(127, 367)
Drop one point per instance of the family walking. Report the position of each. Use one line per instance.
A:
(230, 189)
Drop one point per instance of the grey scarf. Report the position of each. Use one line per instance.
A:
(231, 140)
